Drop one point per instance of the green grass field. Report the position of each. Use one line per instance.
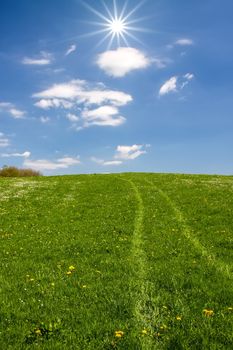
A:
(130, 261)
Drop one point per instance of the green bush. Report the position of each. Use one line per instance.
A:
(11, 171)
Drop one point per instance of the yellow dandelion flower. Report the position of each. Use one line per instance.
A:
(68, 272)
(119, 334)
(163, 327)
(179, 318)
(144, 331)
(208, 312)
(71, 268)
(38, 332)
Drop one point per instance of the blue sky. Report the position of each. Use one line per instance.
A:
(159, 99)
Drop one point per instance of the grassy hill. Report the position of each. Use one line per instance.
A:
(130, 261)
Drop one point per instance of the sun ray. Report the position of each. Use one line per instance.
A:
(95, 23)
(134, 9)
(115, 9)
(99, 14)
(135, 38)
(107, 10)
(103, 39)
(123, 10)
(125, 40)
(117, 23)
(139, 29)
(96, 32)
(111, 41)
(118, 40)
(137, 20)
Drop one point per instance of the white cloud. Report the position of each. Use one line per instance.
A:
(72, 117)
(54, 103)
(4, 141)
(116, 98)
(38, 62)
(57, 70)
(113, 162)
(105, 116)
(184, 42)
(161, 62)
(44, 59)
(119, 62)
(69, 161)
(129, 152)
(189, 76)
(23, 155)
(71, 90)
(186, 80)
(5, 105)
(71, 49)
(85, 95)
(44, 120)
(106, 163)
(81, 92)
(10, 109)
(122, 153)
(175, 84)
(16, 113)
(43, 164)
(169, 86)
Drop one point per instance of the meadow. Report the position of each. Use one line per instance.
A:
(119, 261)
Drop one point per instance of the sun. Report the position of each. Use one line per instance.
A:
(117, 24)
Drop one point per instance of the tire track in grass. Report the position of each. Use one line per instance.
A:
(139, 284)
(137, 253)
(217, 264)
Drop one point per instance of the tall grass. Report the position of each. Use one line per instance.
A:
(11, 171)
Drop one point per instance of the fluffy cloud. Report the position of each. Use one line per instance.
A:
(23, 155)
(169, 86)
(104, 116)
(119, 62)
(81, 92)
(54, 103)
(175, 84)
(72, 118)
(98, 105)
(184, 42)
(43, 164)
(16, 113)
(129, 152)
(4, 141)
(44, 59)
(9, 108)
(69, 161)
(122, 153)
(44, 120)
(71, 49)
(106, 163)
